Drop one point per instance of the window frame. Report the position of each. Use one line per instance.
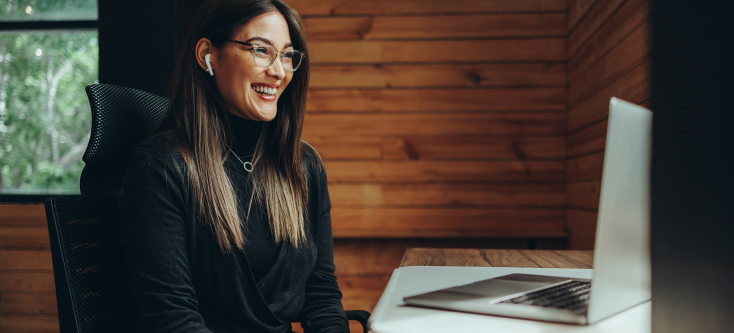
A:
(42, 26)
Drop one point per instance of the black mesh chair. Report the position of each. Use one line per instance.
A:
(92, 283)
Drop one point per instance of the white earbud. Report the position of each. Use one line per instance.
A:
(208, 58)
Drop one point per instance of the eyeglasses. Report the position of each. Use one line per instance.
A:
(264, 56)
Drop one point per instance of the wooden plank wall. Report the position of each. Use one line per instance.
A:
(439, 119)
(27, 293)
(608, 55)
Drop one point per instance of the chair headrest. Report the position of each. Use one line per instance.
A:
(122, 118)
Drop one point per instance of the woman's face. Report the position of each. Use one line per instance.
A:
(239, 79)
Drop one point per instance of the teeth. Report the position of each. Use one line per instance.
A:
(265, 90)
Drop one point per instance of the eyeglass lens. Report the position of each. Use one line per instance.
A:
(265, 56)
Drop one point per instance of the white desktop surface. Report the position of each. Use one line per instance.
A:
(392, 316)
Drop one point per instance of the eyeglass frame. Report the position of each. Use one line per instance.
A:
(278, 54)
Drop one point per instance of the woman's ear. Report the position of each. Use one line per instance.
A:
(204, 47)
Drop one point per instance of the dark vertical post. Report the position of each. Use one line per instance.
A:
(137, 43)
(692, 169)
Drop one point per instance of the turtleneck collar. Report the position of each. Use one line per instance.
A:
(245, 133)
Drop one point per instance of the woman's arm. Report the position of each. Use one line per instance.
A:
(322, 308)
(154, 237)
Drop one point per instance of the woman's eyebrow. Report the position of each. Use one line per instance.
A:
(262, 39)
(267, 41)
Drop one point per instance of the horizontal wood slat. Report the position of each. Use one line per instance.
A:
(435, 124)
(589, 139)
(343, 52)
(22, 303)
(437, 100)
(473, 148)
(25, 259)
(630, 53)
(584, 195)
(425, 27)
(585, 168)
(344, 195)
(26, 282)
(29, 323)
(458, 75)
(24, 237)
(625, 21)
(341, 7)
(432, 171)
(23, 214)
(632, 87)
(436, 148)
(581, 229)
(447, 222)
(578, 10)
(595, 18)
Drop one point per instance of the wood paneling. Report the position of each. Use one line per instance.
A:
(447, 222)
(11, 259)
(22, 215)
(455, 75)
(576, 11)
(427, 27)
(25, 237)
(29, 323)
(629, 54)
(632, 87)
(625, 21)
(381, 7)
(422, 100)
(584, 194)
(28, 303)
(588, 167)
(592, 138)
(443, 171)
(437, 148)
(356, 52)
(459, 125)
(581, 229)
(27, 282)
(608, 54)
(447, 195)
(599, 13)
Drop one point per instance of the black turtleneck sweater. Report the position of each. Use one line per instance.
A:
(183, 282)
(260, 249)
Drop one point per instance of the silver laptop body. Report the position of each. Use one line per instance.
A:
(621, 276)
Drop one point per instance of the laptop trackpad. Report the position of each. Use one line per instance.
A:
(507, 285)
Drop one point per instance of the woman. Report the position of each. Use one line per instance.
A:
(225, 212)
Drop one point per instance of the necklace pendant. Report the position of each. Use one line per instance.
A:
(246, 168)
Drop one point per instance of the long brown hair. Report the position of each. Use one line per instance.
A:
(197, 123)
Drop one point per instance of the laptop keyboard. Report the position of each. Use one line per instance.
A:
(571, 295)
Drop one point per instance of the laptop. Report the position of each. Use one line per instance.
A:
(621, 276)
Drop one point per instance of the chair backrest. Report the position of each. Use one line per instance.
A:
(92, 283)
(121, 119)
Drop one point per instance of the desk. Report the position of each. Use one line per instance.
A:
(413, 277)
(497, 258)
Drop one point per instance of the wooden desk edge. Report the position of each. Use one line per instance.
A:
(498, 258)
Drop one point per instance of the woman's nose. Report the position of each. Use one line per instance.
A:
(276, 69)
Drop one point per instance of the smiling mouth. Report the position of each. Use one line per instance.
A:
(265, 91)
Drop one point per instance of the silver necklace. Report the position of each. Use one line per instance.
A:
(244, 164)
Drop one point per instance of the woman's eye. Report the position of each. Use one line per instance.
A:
(261, 51)
(288, 55)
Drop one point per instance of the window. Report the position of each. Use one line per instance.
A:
(48, 54)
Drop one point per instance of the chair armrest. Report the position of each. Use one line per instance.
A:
(359, 315)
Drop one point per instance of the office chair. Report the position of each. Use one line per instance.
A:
(92, 283)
